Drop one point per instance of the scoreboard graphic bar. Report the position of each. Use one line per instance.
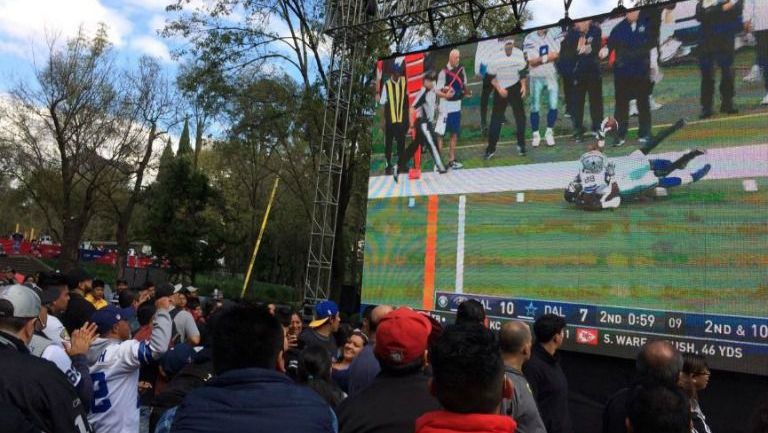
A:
(735, 343)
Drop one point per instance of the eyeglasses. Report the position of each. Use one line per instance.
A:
(703, 373)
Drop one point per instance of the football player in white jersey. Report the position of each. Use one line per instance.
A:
(542, 50)
(115, 362)
(602, 185)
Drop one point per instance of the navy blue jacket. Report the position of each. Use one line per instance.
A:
(633, 48)
(253, 400)
(571, 63)
(718, 28)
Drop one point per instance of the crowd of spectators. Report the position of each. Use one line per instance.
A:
(69, 364)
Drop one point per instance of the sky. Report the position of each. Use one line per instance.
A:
(25, 25)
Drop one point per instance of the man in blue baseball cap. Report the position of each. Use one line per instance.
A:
(321, 329)
(115, 361)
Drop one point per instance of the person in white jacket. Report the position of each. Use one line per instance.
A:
(115, 361)
(756, 21)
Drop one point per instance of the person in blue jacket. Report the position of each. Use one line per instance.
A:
(632, 41)
(250, 391)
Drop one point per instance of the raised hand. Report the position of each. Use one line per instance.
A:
(82, 339)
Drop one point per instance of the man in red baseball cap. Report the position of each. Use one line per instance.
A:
(400, 393)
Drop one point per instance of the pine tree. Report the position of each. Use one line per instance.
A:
(166, 158)
(185, 148)
(183, 218)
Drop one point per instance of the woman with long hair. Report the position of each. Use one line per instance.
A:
(315, 372)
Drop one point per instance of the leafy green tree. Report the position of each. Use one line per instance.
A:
(75, 119)
(184, 221)
(185, 148)
(166, 158)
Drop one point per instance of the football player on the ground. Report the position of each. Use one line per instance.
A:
(632, 175)
(115, 362)
(594, 187)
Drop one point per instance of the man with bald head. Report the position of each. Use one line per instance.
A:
(365, 367)
(515, 342)
(658, 363)
(451, 88)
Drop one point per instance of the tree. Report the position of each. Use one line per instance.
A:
(495, 22)
(165, 158)
(221, 42)
(185, 219)
(264, 138)
(223, 49)
(74, 120)
(154, 111)
(185, 149)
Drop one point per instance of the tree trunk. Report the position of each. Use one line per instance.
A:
(124, 219)
(72, 234)
(123, 243)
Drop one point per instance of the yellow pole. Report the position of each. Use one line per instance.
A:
(258, 239)
(32, 233)
(17, 228)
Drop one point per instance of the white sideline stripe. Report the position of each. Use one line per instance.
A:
(727, 163)
(634, 128)
(460, 245)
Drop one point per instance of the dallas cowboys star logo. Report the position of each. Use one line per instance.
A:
(530, 310)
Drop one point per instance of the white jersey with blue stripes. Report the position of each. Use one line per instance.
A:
(114, 369)
(115, 378)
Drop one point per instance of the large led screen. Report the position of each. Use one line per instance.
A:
(613, 172)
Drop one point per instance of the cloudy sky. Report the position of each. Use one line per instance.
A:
(133, 24)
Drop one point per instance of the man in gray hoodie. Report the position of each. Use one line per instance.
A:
(115, 361)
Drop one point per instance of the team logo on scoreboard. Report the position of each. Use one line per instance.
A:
(442, 301)
(587, 336)
(458, 300)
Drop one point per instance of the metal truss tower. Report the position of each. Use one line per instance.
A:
(348, 24)
(342, 15)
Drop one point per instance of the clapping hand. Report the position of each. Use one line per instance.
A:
(81, 339)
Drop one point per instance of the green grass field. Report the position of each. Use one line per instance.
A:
(701, 249)
(678, 91)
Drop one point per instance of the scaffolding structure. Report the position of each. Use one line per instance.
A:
(349, 23)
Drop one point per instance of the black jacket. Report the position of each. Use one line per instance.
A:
(574, 65)
(191, 377)
(550, 388)
(78, 312)
(390, 404)
(39, 390)
(718, 27)
(616, 412)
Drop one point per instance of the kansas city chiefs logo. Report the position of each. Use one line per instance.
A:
(586, 336)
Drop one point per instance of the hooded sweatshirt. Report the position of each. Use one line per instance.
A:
(450, 422)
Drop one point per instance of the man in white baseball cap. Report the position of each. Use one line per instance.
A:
(39, 390)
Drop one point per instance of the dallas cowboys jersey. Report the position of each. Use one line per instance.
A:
(535, 46)
(596, 172)
(115, 374)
